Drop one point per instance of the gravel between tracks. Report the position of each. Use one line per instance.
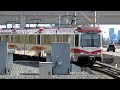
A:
(30, 70)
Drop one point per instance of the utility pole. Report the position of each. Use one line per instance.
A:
(24, 42)
(94, 18)
(66, 22)
(75, 17)
(97, 17)
(59, 21)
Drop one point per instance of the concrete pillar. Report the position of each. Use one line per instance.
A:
(22, 21)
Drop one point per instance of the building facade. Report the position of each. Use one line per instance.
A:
(119, 35)
(111, 33)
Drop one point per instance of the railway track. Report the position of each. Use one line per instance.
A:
(107, 69)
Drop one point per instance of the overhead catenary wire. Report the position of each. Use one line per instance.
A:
(85, 16)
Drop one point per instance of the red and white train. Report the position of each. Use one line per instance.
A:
(86, 42)
(88, 45)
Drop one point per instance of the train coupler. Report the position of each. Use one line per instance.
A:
(91, 60)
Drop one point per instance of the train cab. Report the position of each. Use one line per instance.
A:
(88, 45)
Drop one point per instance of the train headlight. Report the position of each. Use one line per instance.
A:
(82, 53)
(98, 53)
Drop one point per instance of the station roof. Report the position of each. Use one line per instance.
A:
(51, 17)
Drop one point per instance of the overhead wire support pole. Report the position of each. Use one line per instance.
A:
(95, 18)
(24, 42)
(66, 18)
(75, 15)
(59, 21)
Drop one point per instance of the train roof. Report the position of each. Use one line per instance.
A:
(88, 29)
(37, 30)
(63, 30)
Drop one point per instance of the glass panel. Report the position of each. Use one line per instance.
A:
(90, 40)
(76, 40)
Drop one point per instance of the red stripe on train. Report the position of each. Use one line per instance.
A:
(84, 51)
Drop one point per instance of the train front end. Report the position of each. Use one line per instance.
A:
(88, 45)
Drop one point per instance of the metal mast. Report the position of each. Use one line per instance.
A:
(95, 18)
(75, 17)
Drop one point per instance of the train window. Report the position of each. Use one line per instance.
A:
(72, 40)
(38, 39)
(65, 38)
(90, 40)
(76, 40)
(0, 38)
(31, 39)
(12, 38)
(6, 38)
(58, 36)
(22, 38)
(47, 39)
(53, 38)
(26, 39)
(18, 38)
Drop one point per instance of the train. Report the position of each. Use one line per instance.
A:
(88, 45)
(85, 41)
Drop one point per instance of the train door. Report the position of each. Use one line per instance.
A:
(71, 40)
(76, 40)
(76, 45)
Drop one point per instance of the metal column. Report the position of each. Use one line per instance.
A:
(59, 21)
(22, 21)
(75, 15)
(24, 42)
(94, 18)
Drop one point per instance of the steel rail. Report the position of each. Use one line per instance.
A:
(107, 69)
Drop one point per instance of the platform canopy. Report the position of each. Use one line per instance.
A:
(56, 17)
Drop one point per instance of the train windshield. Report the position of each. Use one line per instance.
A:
(90, 40)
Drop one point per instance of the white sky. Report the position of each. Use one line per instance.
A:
(105, 28)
